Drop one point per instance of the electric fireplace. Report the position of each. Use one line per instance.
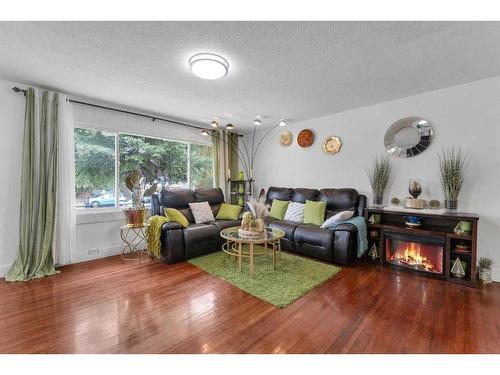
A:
(425, 254)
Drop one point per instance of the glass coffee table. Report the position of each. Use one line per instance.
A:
(270, 240)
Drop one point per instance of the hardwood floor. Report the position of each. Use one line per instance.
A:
(105, 306)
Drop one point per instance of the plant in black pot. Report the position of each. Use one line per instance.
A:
(136, 214)
(453, 163)
(378, 175)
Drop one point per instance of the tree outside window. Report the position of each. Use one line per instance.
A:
(172, 164)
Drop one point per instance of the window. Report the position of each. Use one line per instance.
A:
(94, 168)
(172, 164)
(201, 167)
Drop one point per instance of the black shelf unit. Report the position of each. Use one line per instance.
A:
(239, 191)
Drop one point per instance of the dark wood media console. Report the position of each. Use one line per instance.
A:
(431, 248)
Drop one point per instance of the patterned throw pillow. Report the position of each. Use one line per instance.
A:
(338, 218)
(202, 212)
(295, 212)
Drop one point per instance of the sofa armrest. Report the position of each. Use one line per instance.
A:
(347, 227)
(172, 243)
(169, 225)
(345, 243)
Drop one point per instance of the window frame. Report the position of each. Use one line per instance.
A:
(117, 133)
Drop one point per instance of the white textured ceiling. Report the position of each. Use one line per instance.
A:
(293, 70)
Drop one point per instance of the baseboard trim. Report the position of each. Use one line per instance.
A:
(4, 269)
(84, 256)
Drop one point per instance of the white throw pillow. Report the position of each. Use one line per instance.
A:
(202, 212)
(295, 212)
(335, 219)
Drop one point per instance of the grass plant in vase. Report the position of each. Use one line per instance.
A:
(378, 175)
(453, 163)
(135, 214)
(259, 210)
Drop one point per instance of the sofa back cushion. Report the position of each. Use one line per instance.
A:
(301, 195)
(279, 193)
(338, 200)
(178, 199)
(214, 197)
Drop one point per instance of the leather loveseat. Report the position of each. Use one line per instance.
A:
(339, 245)
(178, 243)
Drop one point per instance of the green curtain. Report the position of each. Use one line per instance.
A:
(216, 155)
(38, 189)
(234, 164)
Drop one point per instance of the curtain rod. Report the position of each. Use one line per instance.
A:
(154, 118)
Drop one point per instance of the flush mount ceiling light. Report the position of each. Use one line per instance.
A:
(208, 66)
(257, 121)
(204, 132)
(229, 126)
(214, 124)
(282, 123)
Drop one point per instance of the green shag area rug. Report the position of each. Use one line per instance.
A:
(294, 276)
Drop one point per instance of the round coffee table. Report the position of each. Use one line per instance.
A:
(234, 245)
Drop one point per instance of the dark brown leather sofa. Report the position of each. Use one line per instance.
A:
(339, 245)
(178, 243)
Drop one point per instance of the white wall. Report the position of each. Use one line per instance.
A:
(467, 115)
(11, 127)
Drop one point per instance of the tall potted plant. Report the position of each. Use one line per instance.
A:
(453, 163)
(378, 176)
(135, 214)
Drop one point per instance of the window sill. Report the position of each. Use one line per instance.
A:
(98, 215)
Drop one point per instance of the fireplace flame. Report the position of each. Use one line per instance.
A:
(411, 255)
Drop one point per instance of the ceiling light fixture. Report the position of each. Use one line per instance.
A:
(204, 133)
(257, 121)
(214, 124)
(282, 123)
(208, 66)
(229, 126)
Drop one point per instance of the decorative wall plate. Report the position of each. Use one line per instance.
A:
(332, 145)
(286, 138)
(305, 138)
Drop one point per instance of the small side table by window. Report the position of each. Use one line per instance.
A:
(135, 242)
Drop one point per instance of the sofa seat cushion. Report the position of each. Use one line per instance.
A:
(286, 226)
(224, 224)
(200, 239)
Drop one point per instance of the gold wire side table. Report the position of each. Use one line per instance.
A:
(271, 240)
(135, 241)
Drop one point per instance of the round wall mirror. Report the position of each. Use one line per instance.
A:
(408, 137)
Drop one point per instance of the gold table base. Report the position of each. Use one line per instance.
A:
(134, 238)
(235, 248)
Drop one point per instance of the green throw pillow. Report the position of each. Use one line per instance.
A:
(176, 216)
(278, 209)
(314, 212)
(228, 212)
